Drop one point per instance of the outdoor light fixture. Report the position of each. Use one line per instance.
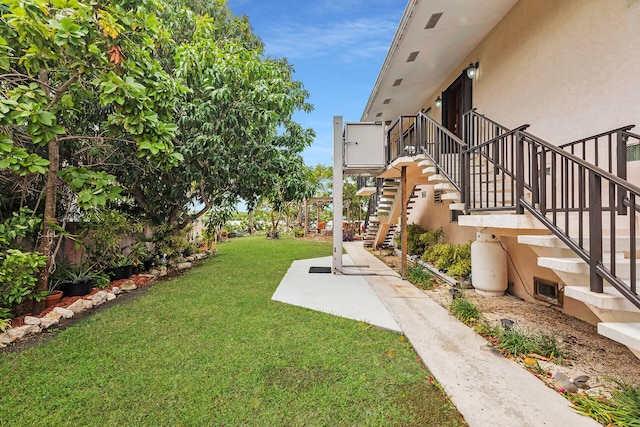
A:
(472, 70)
(438, 102)
(507, 324)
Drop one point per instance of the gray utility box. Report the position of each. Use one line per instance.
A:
(364, 147)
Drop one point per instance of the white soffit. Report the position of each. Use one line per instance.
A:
(462, 26)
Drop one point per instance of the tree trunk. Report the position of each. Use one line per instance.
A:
(251, 222)
(48, 232)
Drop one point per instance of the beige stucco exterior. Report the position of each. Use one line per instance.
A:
(569, 69)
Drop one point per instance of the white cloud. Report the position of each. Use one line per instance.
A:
(346, 41)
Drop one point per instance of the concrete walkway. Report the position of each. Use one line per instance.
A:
(487, 388)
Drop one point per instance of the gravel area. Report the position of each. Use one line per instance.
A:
(588, 352)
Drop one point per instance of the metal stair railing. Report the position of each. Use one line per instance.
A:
(373, 203)
(444, 149)
(599, 198)
(563, 188)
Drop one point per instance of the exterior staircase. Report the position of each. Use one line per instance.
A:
(559, 200)
(576, 206)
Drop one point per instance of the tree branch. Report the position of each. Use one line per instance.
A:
(62, 89)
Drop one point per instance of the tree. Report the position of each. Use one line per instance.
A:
(235, 120)
(78, 82)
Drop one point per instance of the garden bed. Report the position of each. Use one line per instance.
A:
(589, 353)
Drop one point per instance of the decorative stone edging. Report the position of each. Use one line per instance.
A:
(34, 325)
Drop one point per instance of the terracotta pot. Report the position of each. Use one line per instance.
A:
(53, 298)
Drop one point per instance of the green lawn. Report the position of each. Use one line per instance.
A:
(211, 348)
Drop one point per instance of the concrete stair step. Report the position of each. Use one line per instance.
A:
(438, 178)
(457, 206)
(576, 265)
(426, 163)
(623, 243)
(431, 170)
(455, 196)
(445, 186)
(609, 299)
(567, 265)
(624, 333)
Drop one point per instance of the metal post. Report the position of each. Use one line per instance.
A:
(595, 231)
(337, 193)
(306, 217)
(519, 172)
(621, 168)
(403, 220)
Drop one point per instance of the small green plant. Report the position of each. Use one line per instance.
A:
(461, 266)
(4, 324)
(442, 254)
(18, 267)
(75, 274)
(432, 237)
(419, 276)
(518, 341)
(465, 310)
(622, 409)
(138, 253)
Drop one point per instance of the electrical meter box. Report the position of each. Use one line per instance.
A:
(364, 147)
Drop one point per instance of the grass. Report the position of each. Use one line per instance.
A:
(518, 341)
(419, 276)
(465, 310)
(211, 348)
(622, 409)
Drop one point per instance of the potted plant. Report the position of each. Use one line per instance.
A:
(139, 257)
(79, 280)
(55, 295)
(121, 268)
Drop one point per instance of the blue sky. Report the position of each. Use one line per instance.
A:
(336, 47)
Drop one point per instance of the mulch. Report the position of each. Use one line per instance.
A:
(140, 280)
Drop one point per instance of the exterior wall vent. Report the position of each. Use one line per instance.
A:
(433, 20)
(386, 101)
(378, 114)
(412, 56)
(437, 197)
(547, 291)
(397, 82)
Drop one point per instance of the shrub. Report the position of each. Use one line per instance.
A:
(419, 276)
(461, 266)
(465, 310)
(432, 237)
(442, 255)
(18, 267)
(414, 244)
(518, 341)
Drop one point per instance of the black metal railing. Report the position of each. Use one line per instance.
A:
(402, 139)
(420, 134)
(365, 181)
(373, 203)
(444, 148)
(572, 197)
(606, 150)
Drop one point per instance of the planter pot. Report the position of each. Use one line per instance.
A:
(147, 265)
(53, 298)
(118, 273)
(80, 288)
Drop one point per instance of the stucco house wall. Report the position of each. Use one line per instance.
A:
(569, 69)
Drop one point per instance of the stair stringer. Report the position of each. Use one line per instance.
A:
(619, 318)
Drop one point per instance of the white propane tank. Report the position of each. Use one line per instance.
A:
(488, 266)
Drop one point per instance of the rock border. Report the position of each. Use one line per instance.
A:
(51, 317)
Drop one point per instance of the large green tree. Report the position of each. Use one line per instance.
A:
(236, 129)
(77, 79)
